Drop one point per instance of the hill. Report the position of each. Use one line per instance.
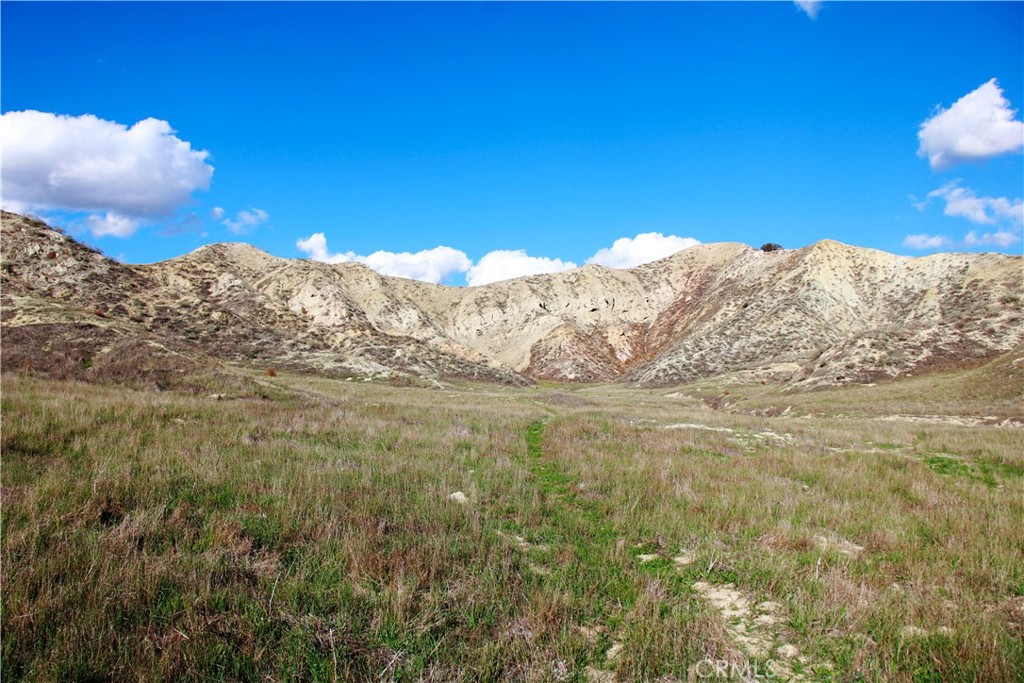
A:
(825, 314)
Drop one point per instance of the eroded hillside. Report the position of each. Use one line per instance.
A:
(825, 314)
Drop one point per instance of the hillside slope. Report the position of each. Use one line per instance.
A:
(65, 307)
(825, 314)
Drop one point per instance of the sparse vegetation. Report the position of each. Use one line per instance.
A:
(312, 534)
(167, 515)
(771, 246)
(700, 313)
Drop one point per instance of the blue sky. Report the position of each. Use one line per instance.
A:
(554, 129)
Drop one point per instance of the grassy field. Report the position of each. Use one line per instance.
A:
(308, 531)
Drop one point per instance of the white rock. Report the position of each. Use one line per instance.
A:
(684, 558)
(788, 651)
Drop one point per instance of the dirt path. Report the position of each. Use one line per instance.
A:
(754, 628)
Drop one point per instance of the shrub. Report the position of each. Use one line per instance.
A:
(771, 246)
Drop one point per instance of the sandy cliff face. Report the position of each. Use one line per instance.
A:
(824, 314)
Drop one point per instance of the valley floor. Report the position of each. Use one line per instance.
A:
(319, 530)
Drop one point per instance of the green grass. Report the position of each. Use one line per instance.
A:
(308, 535)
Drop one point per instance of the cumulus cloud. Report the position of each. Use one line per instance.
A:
(110, 223)
(243, 220)
(923, 241)
(122, 176)
(315, 247)
(979, 125)
(429, 265)
(963, 202)
(1001, 238)
(627, 252)
(217, 213)
(437, 264)
(505, 264)
(810, 7)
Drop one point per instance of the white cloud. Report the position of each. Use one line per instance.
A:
(1003, 208)
(123, 176)
(429, 265)
(1006, 215)
(1001, 238)
(506, 264)
(926, 241)
(979, 125)
(810, 7)
(437, 264)
(15, 206)
(627, 252)
(963, 202)
(243, 220)
(111, 223)
(315, 247)
(217, 213)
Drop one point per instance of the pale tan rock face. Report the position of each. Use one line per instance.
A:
(824, 314)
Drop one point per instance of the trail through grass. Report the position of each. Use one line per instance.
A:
(310, 535)
(583, 525)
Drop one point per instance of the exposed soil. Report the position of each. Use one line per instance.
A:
(823, 315)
